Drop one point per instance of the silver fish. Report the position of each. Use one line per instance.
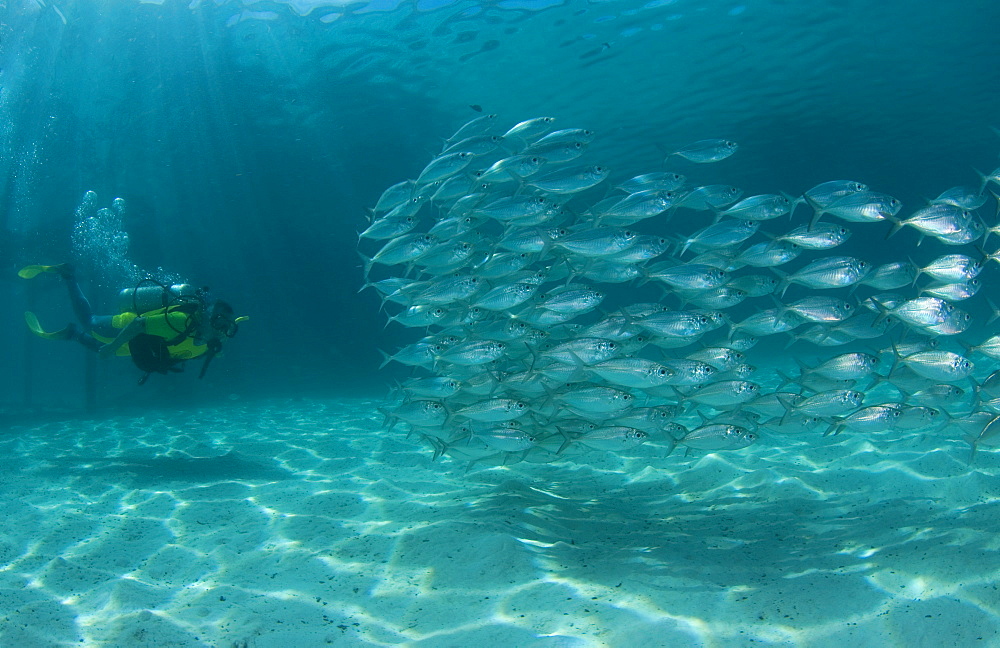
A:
(506, 296)
(632, 372)
(722, 234)
(718, 436)
(708, 150)
(444, 166)
(613, 438)
(892, 275)
(724, 393)
(665, 181)
(874, 418)
(710, 197)
(494, 410)
(506, 439)
(530, 130)
(636, 207)
(570, 181)
(597, 242)
(822, 236)
(962, 197)
(759, 208)
(474, 352)
(938, 365)
(828, 272)
(516, 167)
(860, 207)
(472, 128)
(936, 220)
(394, 196)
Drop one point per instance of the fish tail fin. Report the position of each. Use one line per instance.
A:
(817, 212)
(579, 367)
(982, 435)
(792, 201)
(977, 390)
(389, 420)
(437, 445)
(883, 313)
(795, 203)
(897, 225)
(782, 311)
(567, 440)
(787, 407)
(793, 337)
(919, 271)
(896, 357)
(785, 379)
(803, 367)
(983, 179)
(995, 311)
(367, 265)
(784, 281)
(450, 416)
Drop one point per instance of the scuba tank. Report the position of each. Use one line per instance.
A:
(149, 295)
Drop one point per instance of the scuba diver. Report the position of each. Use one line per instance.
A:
(160, 327)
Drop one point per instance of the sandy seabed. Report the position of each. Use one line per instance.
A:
(304, 523)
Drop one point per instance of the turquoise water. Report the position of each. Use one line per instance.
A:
(248, 141)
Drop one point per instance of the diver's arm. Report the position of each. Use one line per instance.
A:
(134, 328)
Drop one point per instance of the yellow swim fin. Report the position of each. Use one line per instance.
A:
(32, 321)
(32, 271)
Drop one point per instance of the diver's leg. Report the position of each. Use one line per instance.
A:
(84, 338)
(100, 324)
(81, 307)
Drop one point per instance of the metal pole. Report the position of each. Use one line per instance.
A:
(90, 372)
(29, 350)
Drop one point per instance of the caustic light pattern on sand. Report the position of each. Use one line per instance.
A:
(567, 314)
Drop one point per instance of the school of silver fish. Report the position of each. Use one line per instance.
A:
(565, 313)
